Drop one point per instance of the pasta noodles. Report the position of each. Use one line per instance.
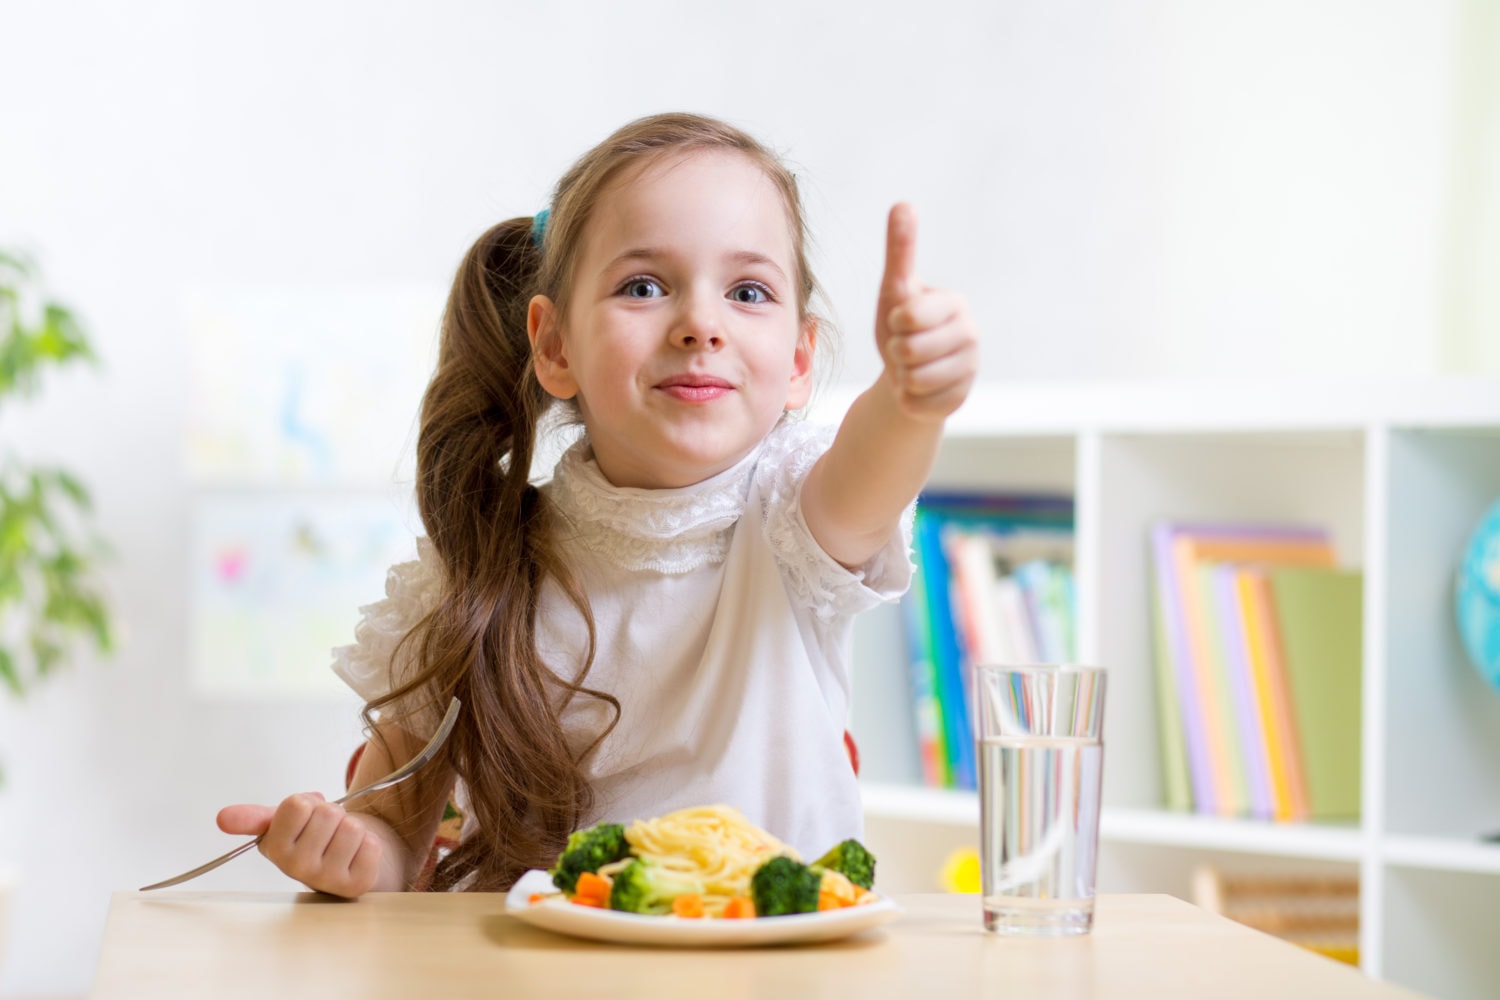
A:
(715, 847)
(706, 861)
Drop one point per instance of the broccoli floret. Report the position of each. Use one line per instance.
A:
(645, 888)
(852, 860)
(587, 851)
(782, 885)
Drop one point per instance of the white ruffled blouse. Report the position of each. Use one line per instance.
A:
(723, 629)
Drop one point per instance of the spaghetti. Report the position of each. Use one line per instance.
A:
(714, 848)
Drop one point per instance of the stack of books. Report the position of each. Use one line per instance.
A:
(994, 584)
(1258, 659)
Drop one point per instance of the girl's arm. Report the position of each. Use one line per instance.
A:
(884, 450)
(380, 847)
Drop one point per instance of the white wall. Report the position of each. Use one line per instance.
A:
(1137, 189)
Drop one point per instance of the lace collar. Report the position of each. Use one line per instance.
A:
(666, 531)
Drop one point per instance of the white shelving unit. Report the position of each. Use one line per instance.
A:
(1400, 473)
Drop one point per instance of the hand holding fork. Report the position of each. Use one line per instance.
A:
(339, 853)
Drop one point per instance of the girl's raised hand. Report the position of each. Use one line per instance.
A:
(314, 841)
(925, 336)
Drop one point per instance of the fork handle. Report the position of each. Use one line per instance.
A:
(222, 859)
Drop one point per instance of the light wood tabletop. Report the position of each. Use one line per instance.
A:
(284, 945)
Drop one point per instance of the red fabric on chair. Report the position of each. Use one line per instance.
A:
(359, 752)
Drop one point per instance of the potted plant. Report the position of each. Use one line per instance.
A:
(50, 602)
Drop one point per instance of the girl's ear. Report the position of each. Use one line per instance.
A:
(800, 389)
(548, 356)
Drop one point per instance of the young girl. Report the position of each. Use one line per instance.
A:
(666, 622)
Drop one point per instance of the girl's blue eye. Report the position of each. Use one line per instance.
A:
(641, 288)
(749, 294)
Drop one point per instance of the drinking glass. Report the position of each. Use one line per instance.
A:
(1041, 763)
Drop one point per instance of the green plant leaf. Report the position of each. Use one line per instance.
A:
(17, 261)
(74, 488)
(95, 617)
(28, 344)
(60, 338)
(48, 599)
(11, 590)
(8, 672)
(46, 652)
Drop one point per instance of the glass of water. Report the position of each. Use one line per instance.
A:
(1041, 763)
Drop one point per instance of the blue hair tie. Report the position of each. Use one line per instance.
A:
(539, 226)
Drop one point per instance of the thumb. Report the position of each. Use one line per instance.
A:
(247, 819)
(900, 276)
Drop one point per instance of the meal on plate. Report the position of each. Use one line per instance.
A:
(708, 861)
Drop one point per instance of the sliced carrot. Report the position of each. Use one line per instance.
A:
(536, 897)
(739, 908)
(846, 893)
(689, 904)
(594, 887)
(829, 901)
(589, 901)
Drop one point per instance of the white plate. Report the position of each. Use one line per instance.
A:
(557, 914)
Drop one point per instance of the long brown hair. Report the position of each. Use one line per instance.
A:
(494, 530)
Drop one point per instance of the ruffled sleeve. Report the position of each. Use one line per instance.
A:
(412, 589)
(813, 577)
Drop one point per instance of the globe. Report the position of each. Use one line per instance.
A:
(1478, 597)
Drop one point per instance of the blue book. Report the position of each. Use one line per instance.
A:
(947, 654)
(927, 710)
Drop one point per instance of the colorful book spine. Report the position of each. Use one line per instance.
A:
(946, 652)
(1176, 782)
(1264, 644)
(927, 710)
(966, 606)
(1249, 712)
(1219, 657)
(1047, 602)
(1194, 657)
(1181, 676)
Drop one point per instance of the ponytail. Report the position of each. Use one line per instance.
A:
(493, 532)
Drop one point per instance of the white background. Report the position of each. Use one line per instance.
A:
(1130, 190)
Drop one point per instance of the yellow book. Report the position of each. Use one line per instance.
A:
(1288, 789)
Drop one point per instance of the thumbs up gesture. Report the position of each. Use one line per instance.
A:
(925, 336)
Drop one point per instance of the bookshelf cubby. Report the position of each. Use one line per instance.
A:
(1399, 472)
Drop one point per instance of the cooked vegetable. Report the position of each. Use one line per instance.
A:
(593, 890)
(782, 886)
(587, 851)
(689, 904)
(707, 861)
(852, 860)
(738, 908)
(645, 888)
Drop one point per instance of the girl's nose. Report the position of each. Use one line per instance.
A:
(697, 326)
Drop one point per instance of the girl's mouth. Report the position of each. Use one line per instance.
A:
(695, 388)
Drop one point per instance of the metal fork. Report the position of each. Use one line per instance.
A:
(397, 776)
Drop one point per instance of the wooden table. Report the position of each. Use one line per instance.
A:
(418, 945)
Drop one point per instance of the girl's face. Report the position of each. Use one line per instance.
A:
(683, 342)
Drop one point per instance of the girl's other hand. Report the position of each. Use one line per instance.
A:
(314, 841)
(925, 336)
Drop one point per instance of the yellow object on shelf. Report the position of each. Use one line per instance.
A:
(960, 873)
